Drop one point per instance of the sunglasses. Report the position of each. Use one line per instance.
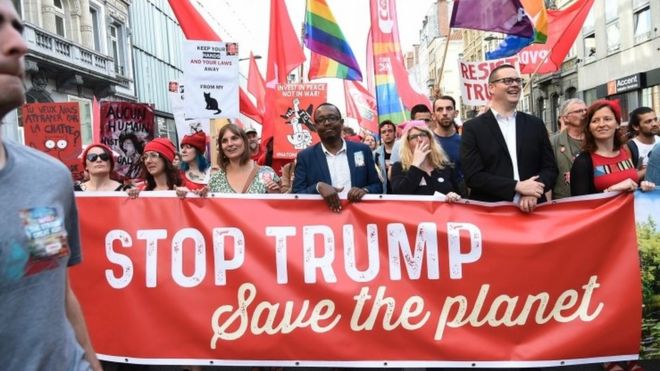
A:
(92, 157)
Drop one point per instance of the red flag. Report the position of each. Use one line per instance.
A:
(96, 121)
(194, 27)
(284, 50)
(361, 105)
(256, 84)
(284, 54)
(564, 27)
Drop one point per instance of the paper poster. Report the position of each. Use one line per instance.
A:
(211, 78)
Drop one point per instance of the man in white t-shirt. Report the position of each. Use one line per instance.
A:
(644, 123)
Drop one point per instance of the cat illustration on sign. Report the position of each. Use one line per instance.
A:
(211, 103)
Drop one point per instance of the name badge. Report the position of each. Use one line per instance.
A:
(359, 159)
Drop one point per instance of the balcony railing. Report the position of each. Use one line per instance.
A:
(58, 48)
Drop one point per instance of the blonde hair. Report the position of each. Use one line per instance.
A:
(438, 157)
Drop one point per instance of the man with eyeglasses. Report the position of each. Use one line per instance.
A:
(568, 143)
(335, 166)
(40, 318)
(506, 154)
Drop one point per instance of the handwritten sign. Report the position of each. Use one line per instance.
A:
(54, 128)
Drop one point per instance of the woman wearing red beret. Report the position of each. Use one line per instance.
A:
(99, 163)
(157, 170)
(195, 168)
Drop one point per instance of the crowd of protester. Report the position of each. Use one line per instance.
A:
(500, 155)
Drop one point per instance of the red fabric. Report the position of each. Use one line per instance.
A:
(197, 140)
(163, 146)
(194, 27)
(175, 272)
(609, 171)
(189, 183)
(284, 54)
(361, 105)
(96, 121)
(563, 28)
(256, 85)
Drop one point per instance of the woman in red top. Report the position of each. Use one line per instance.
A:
(605, 165)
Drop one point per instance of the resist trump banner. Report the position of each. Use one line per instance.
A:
(400, 282)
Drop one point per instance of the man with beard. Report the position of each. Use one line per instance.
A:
(644, 124)
(568, 143)
(505, 154)
(41, 321)
(253, 143)
(334, 166)
(444, 130)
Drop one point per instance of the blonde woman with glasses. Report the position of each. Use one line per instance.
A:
(424, 167)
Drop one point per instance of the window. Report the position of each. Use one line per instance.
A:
(85, 119)
(590, 47)
(611, 10)
(590, 96)
(642, 24)
(96, 28)
(613, 37)
(60, 24)
(589, 22)
(117, 48)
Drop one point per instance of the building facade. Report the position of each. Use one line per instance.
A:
(78, 50)
(619, 49)
(157, 60)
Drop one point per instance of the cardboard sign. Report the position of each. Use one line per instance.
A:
(294, 126)
(54, 128)
(126, 128)
(474, 79)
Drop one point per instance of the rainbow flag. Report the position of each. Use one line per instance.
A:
(331, 54)
(513, 44)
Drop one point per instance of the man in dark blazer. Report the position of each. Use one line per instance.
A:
(505, 154)
(334, 165)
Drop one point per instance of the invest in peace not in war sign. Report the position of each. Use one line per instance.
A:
(211, 79)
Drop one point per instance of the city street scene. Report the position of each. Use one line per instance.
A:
(264, 185)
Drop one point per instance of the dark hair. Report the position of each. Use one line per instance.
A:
(139, 147)
(589, 141)
(491, 77)
(385, 123)
(633, 124)
(445, 97)
(172, 173)
(418, 108)
(326, 104)
(202, 162)
(245, 156)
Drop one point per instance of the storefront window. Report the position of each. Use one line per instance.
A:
(651, 97)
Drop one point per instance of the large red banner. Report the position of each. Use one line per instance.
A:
(402, 282)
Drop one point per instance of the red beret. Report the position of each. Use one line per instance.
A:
(163, 146)
(197, 140)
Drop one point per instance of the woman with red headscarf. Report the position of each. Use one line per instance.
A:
(605, 164)
(99, 163)
(194, 167)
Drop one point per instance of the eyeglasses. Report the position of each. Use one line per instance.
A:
(150, 155)
(92, 157)
(418, 135)
(508, 81)
(583, 110)
(327, 119)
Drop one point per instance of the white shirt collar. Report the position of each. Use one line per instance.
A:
(499, 116)
(328, 153)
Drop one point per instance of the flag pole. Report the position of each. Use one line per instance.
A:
(444, 57)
